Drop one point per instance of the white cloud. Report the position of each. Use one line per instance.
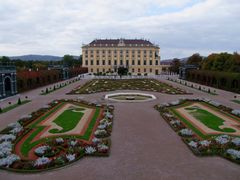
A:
(59, 27)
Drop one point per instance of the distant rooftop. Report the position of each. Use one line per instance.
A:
(120, 42)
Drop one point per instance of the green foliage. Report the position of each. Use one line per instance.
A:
(67, 121)
(176, 63)
(195, 59)
(70, 61)
(209, 119)
(19, 101)
(122, 71)
(219, 79)
(222, 62)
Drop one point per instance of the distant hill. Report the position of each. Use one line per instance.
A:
(168, 61)
(33, 57)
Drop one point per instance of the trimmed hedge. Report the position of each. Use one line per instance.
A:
(218, 79)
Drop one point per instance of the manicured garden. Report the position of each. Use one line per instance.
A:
(57, 134)
(207, 127)
(102, 85)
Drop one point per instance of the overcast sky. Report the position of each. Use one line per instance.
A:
(179, 27)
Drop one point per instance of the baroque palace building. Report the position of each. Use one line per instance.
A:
(107, 55)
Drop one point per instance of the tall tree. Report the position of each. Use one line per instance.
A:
(195, 59)
(176, 63)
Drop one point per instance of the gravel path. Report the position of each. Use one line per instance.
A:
(143, 144)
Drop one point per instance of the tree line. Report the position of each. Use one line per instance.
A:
(67, 60)
(214, 62)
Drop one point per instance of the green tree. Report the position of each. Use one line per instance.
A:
(19, 101)
(122, 71)
(176, 63)
(195, 59)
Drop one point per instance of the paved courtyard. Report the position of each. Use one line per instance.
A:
(143, 144)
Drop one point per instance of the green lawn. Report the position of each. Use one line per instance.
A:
(209, 119)
(67, 121)
(28, 144)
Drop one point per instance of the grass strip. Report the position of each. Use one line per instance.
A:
(9, 108)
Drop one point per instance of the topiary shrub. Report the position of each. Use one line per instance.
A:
(19, 101)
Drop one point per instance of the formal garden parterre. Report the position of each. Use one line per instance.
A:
(206, 126)
(105, 85)
(56, 135)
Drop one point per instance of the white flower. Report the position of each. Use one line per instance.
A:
(9, 160)
(102, 147)
(15, 127)
(71, 157)
(5, 148)
(73, 143)
(100, 132)
(90, 150)
(96, 140)
(41, 150)
(108, 115)
(102, 126)
(234, 153)
(205, 143)
(175, 122)
(223, 139)
(8, 137)
(59, 140)
(186, 132)
(175, 102)
(193, 144)
(42, 161)
(236, 141)
(16, 130)
(168, 115)
(236, 112)
(214, 103)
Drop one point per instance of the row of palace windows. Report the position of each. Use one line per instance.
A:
(121, 53)
(133, 70)
(121, 62)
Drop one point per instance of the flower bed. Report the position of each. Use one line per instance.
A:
(103, 85)
(224, 145)
(45, 153)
